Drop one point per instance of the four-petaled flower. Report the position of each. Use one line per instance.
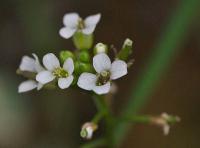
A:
(63, 74)
(32, 65)
(101, 82)
(73, 23)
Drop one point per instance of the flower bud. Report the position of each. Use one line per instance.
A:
(81, 67)
(88, 130)
(65, 54)
(82, 41)
(84, 56)
(126, 50)
(100, 48)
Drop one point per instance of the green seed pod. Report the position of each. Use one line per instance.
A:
(65, 54)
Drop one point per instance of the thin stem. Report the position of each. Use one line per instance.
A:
(104, 109)
(136, 119)
(98, 117)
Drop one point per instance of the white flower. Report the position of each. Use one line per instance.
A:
(33, 65)
(52, 64)
(101, 82)
(72, 23)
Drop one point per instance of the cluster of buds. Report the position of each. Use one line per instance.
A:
(88, 129)
(164, 121)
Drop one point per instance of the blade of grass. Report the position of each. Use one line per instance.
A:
(161, 58)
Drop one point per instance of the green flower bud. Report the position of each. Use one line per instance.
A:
(82, 41)
(84, 67)
(126, 50)
(84, 56)
(76, 68)
(65, 54)
(100, 48)
(81, 67)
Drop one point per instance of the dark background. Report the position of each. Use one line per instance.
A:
(52, 119)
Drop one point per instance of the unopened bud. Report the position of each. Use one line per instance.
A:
(65, 54)
(88, 130)
(84, 56)
(128, 42)
(126, 50)
(81, 67)
(100, 48)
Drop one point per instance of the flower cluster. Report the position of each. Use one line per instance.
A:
(89, 67)
(99, 82)
(78, 68)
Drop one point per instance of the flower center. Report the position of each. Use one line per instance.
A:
(81, 24)
(60, 73)
(103, 78)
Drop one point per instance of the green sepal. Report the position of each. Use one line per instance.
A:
(82, 41)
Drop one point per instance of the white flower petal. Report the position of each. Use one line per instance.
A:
(69, 65)
(27, 86)
(166, 129)
(92, 20)
(65, 82)
(118, 69)
(71, 20)
(45, 77)
(87, 81)
(88, 30)
(101, 62)
(103, 89)
(38, 66)
(89, 132)
(67, 32)
(27, 64)
(50, 61)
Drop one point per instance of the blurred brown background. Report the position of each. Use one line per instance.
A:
(52, 119)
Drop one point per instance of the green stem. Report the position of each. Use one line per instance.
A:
(98, 117)
(103, 108)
